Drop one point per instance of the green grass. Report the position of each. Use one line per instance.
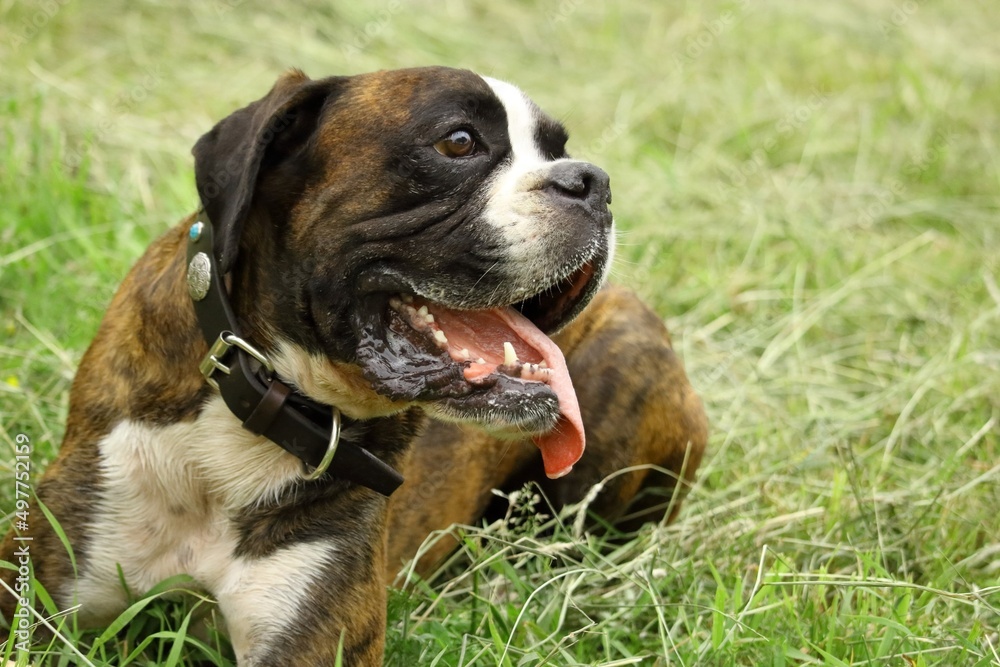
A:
(809, 193)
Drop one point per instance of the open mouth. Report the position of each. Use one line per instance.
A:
(496, 367)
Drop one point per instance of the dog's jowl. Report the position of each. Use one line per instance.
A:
(391, 276)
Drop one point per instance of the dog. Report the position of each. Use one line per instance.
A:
(395, 275)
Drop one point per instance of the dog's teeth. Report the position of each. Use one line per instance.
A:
(429, 318)
(440, 338)
(422, 312)
(535, 373)
(407, 298)
(395, 303)
(411, 311)
(509, 355)
(480, 360)
(543, 364)
(464, 353)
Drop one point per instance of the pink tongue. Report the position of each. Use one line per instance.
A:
(483, 333)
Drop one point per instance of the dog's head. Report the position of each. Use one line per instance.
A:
(411, 237)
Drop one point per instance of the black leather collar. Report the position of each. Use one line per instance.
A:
(248, 385)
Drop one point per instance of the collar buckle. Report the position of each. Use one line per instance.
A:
(215, 359)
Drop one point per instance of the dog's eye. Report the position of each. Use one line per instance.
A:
(457, 144)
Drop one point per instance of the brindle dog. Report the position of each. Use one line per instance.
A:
(395, 245)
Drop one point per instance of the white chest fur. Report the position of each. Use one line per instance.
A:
(168, 495)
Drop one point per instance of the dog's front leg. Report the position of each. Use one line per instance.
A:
(297, 605)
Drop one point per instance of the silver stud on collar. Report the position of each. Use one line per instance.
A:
(199, 275)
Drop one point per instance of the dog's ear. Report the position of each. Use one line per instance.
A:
(229, 160)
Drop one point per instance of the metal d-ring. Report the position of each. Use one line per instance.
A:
(331, 449)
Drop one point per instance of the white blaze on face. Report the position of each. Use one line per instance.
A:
(517, 208)
(522, 121)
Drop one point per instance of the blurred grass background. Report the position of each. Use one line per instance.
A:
(807, 193)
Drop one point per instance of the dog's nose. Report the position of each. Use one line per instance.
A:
(581, 182)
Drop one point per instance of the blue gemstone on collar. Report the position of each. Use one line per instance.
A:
(195, 231)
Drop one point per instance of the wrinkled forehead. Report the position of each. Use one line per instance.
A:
(441, 97)
(417, 90)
